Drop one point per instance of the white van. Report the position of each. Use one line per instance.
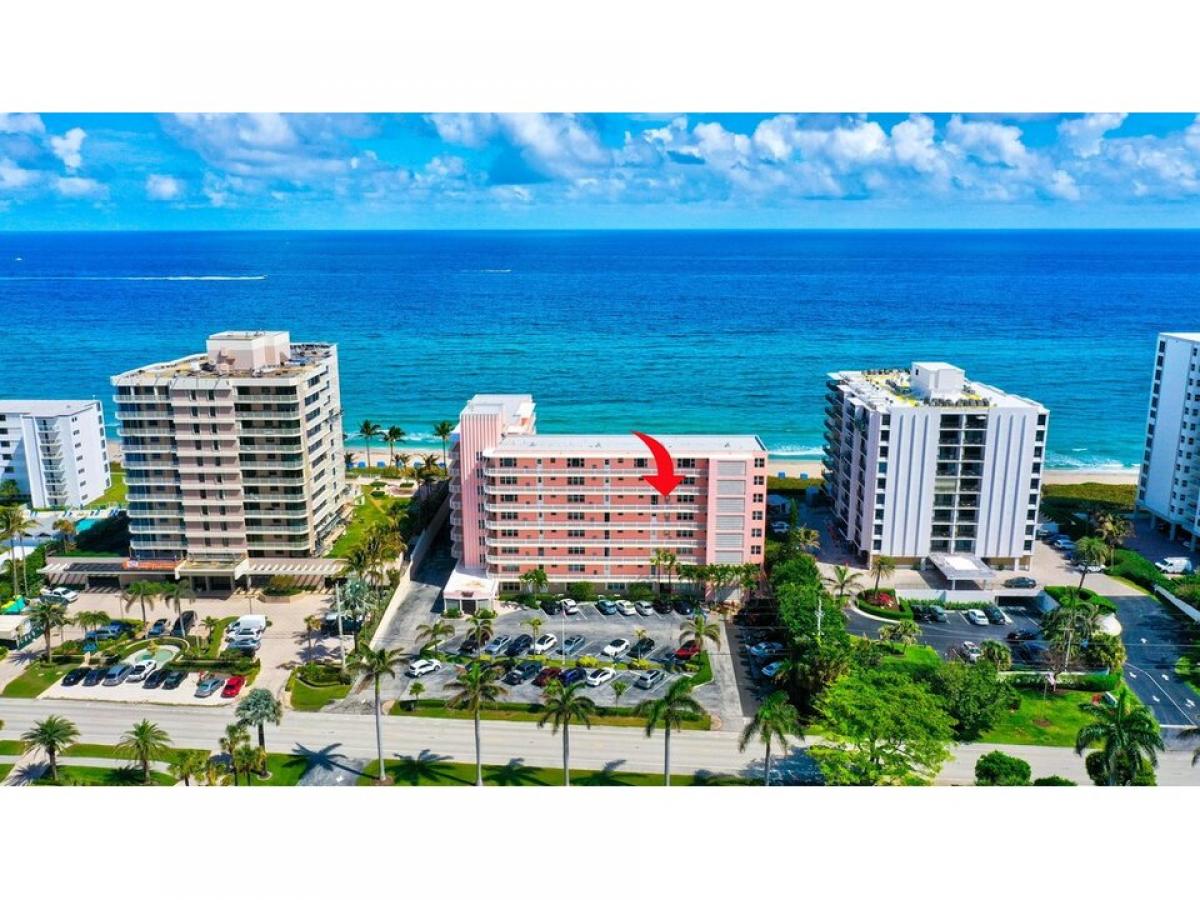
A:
(257, 624)
(1174, 565)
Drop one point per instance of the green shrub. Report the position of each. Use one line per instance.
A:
(1000, 769)
(1053, 781)
(281, 585)
(1132, 566)
(317, 674)
(639, 591)
(1066, 595)
(884, 603)
(581, 591)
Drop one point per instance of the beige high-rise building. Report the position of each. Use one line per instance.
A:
(234, 459)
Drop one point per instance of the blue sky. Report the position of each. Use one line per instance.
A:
(199, 171)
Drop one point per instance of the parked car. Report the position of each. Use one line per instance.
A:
(1021, 582)
(544, 644)
(662, 605)
(616, 648)
(570, 607)
(209, 685)
(522, 672)
(1174, 565)
(573, 644)
(996, 615)
(419, 667)
(687, 651)
(117, 674)
(780, 528)
(975, 617)
(142, 669)
(174, 678)
(469, 647)
(543, 677)
(108, 632)
(684, 607)
(937, 614)
(641, 648)
(1089, 568)
(770, 670)
(1015, 637)
(644, 608)
(233, 686)
(249, 644)
(1064, 544)
(597, 677)
(921, 612)
(159, 628)
(183, 625)
(75, 676)
(155, 679)
(518, 646)
(94, 677)
(969, 650)
(64, 594)
(329, 625)
(570, 676)
(626, 608)
(258, 623)
(651, 679)
(606, 606)
(551, 606)
(766, 649)
(497, 644)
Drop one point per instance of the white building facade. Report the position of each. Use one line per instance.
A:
(55, 451)
(923, 461)
(1169, 482)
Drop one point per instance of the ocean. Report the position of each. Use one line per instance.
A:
(684, 331)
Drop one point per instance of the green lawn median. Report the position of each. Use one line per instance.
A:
(530, 712)
(35, 679)
(432, 772)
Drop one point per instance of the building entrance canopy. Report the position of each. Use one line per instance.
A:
(962, 567)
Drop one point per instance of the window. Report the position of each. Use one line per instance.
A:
(759, 481)
(760, 463)
(575, 462)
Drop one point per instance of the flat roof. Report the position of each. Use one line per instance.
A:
(305, 355)
(48, 407)
(470, 584)
(627, 444)
(889, 388)
(962, 567)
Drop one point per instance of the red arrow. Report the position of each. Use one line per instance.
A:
(664, 480)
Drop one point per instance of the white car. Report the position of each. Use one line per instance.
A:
(142, 669)
(419, 667)
(764, 649)
(644, 608)
(970, 651)
(625, 608)
(1089, 569)
(544, 644)
(770, 670)
(244, 643)
(616, 649)
(65, 594)
(975, 617)
(570, 607)
(600, 676)
(244, 634)
(496, 644)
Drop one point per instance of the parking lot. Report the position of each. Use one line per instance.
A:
(947, 637)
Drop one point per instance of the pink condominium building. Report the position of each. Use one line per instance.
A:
(577, 506)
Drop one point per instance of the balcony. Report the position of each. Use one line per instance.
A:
(647, 491)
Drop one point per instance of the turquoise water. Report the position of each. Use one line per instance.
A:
(616, 331)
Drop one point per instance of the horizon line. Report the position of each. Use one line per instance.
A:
(603, 230)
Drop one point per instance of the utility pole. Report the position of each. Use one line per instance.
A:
(337, 593)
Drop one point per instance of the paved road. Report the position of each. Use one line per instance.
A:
(338, 736)
(1154, 640)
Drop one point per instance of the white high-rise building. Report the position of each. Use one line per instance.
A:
(234, 459)
(1169, 483)
(924, 462)
(54, 450)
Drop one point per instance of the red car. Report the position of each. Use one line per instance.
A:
(544, 676)
(687, 651)
(234, 685)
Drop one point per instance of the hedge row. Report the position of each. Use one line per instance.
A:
(902, 611)
(1132, 566)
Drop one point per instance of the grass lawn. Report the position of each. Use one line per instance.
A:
(91, 776)
(285, 770)
(519, 712)
(433, 773)
(5, 768)
(116, 491)
(915, 659)
(108, 751)
(1052, 721)
(308, 698)
(12, 748)
(366, 514)
(35, 679)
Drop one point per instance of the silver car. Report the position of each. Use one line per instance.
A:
(117, 674)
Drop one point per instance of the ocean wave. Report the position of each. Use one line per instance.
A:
(1096, 463)
(133, 277)
(486, 271)
(797, 451)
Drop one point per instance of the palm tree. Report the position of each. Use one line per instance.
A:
(444, 430)
(53, 735)
(700, 630)
(143, 742)
(997, 653)
(1128, 736)
(429, 462)
(804, 540)
(144, 592)
(842, 583)
(47, 616)
(66, 531)
(236, 738)
(774, 720)
(535, 626)
(211, 624)
(902, 631)
(91, 619)
(375, 664)
(619, 688)
(248, 758)
(394, 435)
(415, 690)
(13, 524)
(188, 766)
(174, 593)
(882, 567)
(258, 708)
(312, 625)
(563, 704)
(1112, 529)
(480, 627)
(368, 430)
(475, 687)
(1090, 551)
(433, 633)
(1070, 623)
(669, 711)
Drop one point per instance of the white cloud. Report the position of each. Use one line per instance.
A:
(990, 142)
(464, 129)
(13, 177)
(163, 187)
(1063, 186)
(1084, 134)
(73, 186)
(21, 123)
(68, 147)
(914, 144)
